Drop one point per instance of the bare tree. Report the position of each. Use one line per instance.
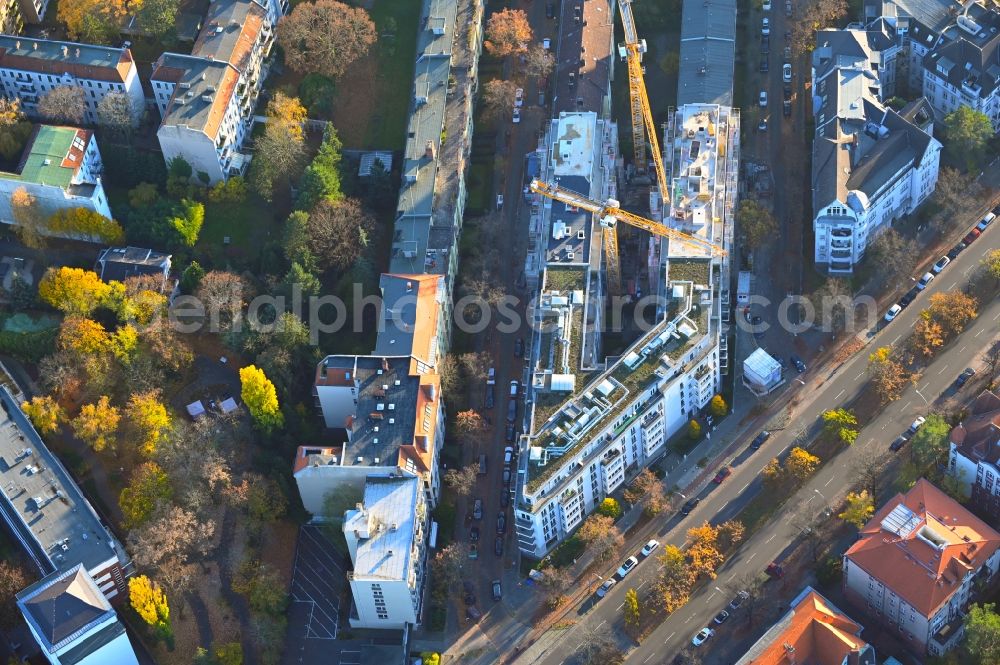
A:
(325, 37)
(340, 232)
(223, 294)
(498, 98)
(13, 579)
(597, 646)
(476, 365)
(170, 542)
(462, 481)
(63, 105)
(446, 566)
(539, 62)
(867, 469)
(117, 114)
(601, 535)
(555, 582)
(752, 585)
(895, 254)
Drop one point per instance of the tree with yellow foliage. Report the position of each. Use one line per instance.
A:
(280, 152)
(703, 554)
(952, 310)
(860, 507)
(92, 21)
(888, 375)
(928, 335)
(85, 224)
(148, 418)
(148, 486)
(45, 413)
(259, 395)
(29, 223)
(97, 424)
(83, 336)
(72, 290)
(149, 602)
(674, 586)
(800, 464)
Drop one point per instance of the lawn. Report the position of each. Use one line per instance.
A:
(246, 224)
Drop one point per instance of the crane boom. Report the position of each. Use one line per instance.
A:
(642, 116)
(610, 214)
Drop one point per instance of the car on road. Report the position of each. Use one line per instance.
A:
(650, 547)
(741, 597)
(550, 10)
(788, 8)
(689, 506)
(509, 433)
(786, 108)
(508, 455)
(915, 425)
(519, 97)
(759, 440)
(519, 347)
(506, 477)
(955, 251)
(898, 443)
(477, 509)
(985, 221)
(767, 5)
(762, 125)
(786, 91)
(971, 236)
(702, 636)
(501, 523)
(547, 44)
(908, 297)
(940, 264)
(498, 546)
(721, 617)
(893, 312)
(765, 26)
(511, 410)
(474, 534)
(723, 473)
(504, 498)
(926, 279)
(762, 99)
(797, 363)
(786, 72)
(764, 66)
(775, 570)
(787, 55)
(473, 613)
(516, 116)
(603, 590)
(627, 567)
(499, 201)
(473, 551)
(497, 591)
(571, 79)
(964, 376)
(578, 13)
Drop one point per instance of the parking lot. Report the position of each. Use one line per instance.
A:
(318, 583)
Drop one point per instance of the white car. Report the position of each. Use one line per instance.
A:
(767, 5)
(940, 264)
(915, 425)
(765, 26)
(603, 590)
(516, 117)
(546, 43)
(499, 207)
(519, 97)
(893, 312)
(763, 99)
(924, 281)
(702, 636)
(650, 547)
(786, 73)
(627, 566)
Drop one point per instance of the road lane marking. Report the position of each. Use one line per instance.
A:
(643, 584)
(953, 285)
(712, 596)
(859, 375)
(688, 620)
(669, 636)
(620, 606)
(831, 479)
(979, 333)
(943, 370)
(649, 657)
(962, 350)
(750, 558)
(895, 339)
(773, 536)
(840, 393)
(906, 406)
(745, 486)
(996, 317)
(601, 624)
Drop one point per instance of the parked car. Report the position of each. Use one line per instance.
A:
(516, 116)
(915, 425)
(940, 264)
(603, 590)
(786, 108)
(964, 376)
(898, 443)
(955, 251)
(788, 8)
(767, 5)
(473, 613)
(765, 26)
(519, 347)
(469, 599)
(504, 498)
(474, 534)
(571, 79)
(689, 506)
(786, 72)
(925, 279)
(506, 477)
(497, 591)
(519, 97)
(759, 440)
(578, 13)
(800, 366)
(511, 410)
(499, 201)
(498, 546)
(721, 617)
(762, 125)
(985, 221)
(723, 473)
(893, 312)
(550, 10)
(971, 236)
(514, 385)
(627, 566)
(908, 297)
(741, 597)
(477, 509)
(501, 523)
(509, 434)
(764, 66)
(490, 396)
(787, 55)
(775, 570)
(650, 547)
(473, 551)
(546, 43)
(762, 99)
(508, 455)
(702, 636)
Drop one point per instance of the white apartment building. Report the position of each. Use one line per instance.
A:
(61, 168)
(585, 441)
(206, 100)
(964, 69)
(916, 565)
(73, 622)
(29, 68)
(386, 538)
(392, 413)
(974, 457)
(871, 164)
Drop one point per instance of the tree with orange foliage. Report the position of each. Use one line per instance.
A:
(704, 555)
(507, 33)
(325, 37)
(72, 290)
(953, 310)
(97, 424)
(83, 336)
(92, 21)
(928, 335)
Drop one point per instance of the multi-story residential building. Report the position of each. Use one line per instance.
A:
(814, 630)
(206, 100)
(73, 622)
(393, 415)
(61, 168)
(386, 538)
(411, 318)
(29, 68)
(974, 458)
(871, 164)
(707, 55)
(585, 441)
(47, 513)
(916, 566)
(31, 11)
(433, 193)
(872, 50)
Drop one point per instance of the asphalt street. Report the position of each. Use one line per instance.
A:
(820, 390)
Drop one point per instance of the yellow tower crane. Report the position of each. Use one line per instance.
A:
(642, 116)
(609, 215)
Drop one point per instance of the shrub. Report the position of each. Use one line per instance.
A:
(610, 508)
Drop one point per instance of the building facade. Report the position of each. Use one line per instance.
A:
(386, 538)
(73, 622)
(61, 169)
(585, 441)
(207, 99)
(30, 68)
(917, 564)
(974, 457)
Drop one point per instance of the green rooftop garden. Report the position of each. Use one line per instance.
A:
(565, 279)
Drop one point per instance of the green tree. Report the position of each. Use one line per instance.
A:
(191, 277)
(841, 423)
(187, 222)
(317, 93)
(982, 635)
(860, 507)
(259, 395)
(321, 179)
(157, 17)
(280, 151)
(756, 223)
(14, 129)
(230, 653)
(632, 616)
(931, 442)
(967, 132)
(179, 174)
(610, 508)
(148, 486)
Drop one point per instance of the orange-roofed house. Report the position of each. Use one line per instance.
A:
(975, 453)
(813, 631)
(412, 319)
(916, 566)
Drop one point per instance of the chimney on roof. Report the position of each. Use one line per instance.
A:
(78, 51)
(429, 150)
(385, 364)
(65, 51)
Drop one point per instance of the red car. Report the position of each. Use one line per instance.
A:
(973, 234)
(775, 571)
(723, 473)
